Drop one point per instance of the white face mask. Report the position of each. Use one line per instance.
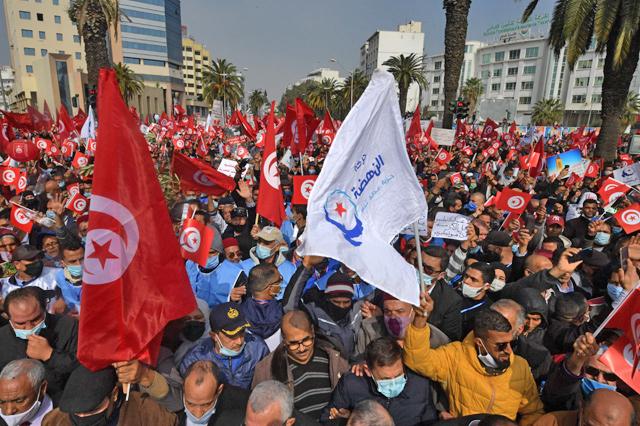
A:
(204, 419)
(497, 284)
(470, 292)
(18, 419)
(487, 360)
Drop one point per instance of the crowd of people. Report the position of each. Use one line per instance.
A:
(504, 333)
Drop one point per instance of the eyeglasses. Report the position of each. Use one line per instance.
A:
(592, 371)
(234, 254)
(276, 282)
(502, 346)
(8, 246)
(306, 342)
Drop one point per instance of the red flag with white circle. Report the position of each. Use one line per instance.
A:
(80, 160)
(77, 203)
(302, 186)
(629, 218)
(195, 240)
(513, 201)
(611, 190)
(21, 219)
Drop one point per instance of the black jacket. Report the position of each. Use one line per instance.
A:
(561, 335)
(62, 334)
(576, 230)
(413, 406)
(446, 312)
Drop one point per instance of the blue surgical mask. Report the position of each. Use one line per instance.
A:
(61, 184)
(262, 252)
(471, 206)
(426, 278)
(87, 194)
(392, 387)
(616, 230)
(204, 419)
(24, 334)
(230, 352)
(590, 385)
(312, 171)
(602, 238)
(74, 270)
(474, 250)
(615, 292)
(51, 214)
(288, 192)
(212, 262)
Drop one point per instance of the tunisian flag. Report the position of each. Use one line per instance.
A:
(270, 201)
(195, 241)
(134, 280)
(611, 190)
(65, 124)
(198, 176)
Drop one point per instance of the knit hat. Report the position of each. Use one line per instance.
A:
(339, 285)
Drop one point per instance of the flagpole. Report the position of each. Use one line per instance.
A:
(301, 165)
(419, 251)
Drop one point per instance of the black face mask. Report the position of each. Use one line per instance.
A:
(193, 330)
(237, 228)
(335, 312)
(31, 204)
(34, 269)
(99, 419)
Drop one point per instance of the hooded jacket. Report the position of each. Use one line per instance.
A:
(533, 303)
(471, 390)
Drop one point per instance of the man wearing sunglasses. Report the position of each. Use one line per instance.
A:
(232, 250)
(261, 308)
(481, 373)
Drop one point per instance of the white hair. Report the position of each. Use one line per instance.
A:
(32, 368)
(270, 392)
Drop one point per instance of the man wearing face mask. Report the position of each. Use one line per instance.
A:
(32, 333)
(69, 278)
(270, 248)
(261, 308)
(8, 243)
(234, 351)
(23, 393)
(219, 280)
(406, 395)
(31, 272)
(476, 281)
(481, 373)
(95, 399)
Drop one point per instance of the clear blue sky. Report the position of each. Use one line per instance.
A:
(280, 41)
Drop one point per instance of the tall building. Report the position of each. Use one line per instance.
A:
(195, 57)
(382, 45)
(46, 54)
(150, 43)
(320, 74)
(7, 81)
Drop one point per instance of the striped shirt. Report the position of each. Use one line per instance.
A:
(311, 384)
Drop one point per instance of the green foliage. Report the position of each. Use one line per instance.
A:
(547, 112)
(631, 110)
(257, 99)
(221, 81)
(472, 90)
(406, 70)
(128, 81)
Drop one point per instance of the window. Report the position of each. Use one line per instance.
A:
(43, 52)
(486, 58)
(62, 52)
(154, 63)
(24, 15)
(78, 56)
(510, 86)
(596, 99)
(436, 79)
(598, 81)
(531, 52)
(582, 82)
(526, 85)
(40, 17)
(143, 31)
(525, 100)
(143, 15)
(579, 99)
(512, 71)
(437, 65)
(514, 54)
(435, 91)
(434, 103)
(497, 72)
(29, 51)
(128, 60)
(42, 35)
(498, 57)
(144, 46)
(76, 38)
(585, 64)
(485, 73)
(56, 2)
(57, 19)
(495, 87)
(600, 62)
(59, 36)
(29, 68)
(529, 69)
(27, 33)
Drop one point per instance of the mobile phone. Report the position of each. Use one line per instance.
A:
(624, 256)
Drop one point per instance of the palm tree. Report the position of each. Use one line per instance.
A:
(455, 34)
(547, 112)
(615, 24)
(472, 90)
(93, 19)
(356, 81)
(323, 95)
(130, 84)
(222, 82)
(406, 70)
(257, 99)
(631, 110)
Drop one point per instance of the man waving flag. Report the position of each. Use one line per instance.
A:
(367, 193)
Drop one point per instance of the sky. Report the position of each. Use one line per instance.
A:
(280, 41)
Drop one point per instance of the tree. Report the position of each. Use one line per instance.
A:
(301, 91)
(547, 112)
(406, 70)
(455, 34)
(630, 111)
(615, 24)
(356, 80)
(322, 96)
(472, 90)
(93, 19)
(257, 99)
(222, 82)
(130, 84)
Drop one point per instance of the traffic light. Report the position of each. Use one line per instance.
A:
(459, 108)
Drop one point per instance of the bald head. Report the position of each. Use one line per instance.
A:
(370, 413)
(296, 319)
(607, 407)
(536, 263)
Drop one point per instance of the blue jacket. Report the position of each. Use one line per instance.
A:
(70, 293)
(285, 267)
(213, 287)
(237, 370)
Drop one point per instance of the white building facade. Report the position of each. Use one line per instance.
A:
(320, 74)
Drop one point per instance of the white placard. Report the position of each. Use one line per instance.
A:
(443, 137)
(228, 167)
(451, 226)
(629, 175)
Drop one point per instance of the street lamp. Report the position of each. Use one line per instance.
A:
(335, 61)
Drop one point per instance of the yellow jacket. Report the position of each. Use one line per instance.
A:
(470, 389)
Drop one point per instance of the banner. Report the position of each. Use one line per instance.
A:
(444, 137)
(629, 175)
(571, 159)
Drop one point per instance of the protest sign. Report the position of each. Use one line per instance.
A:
(443, 137)
(228, 167)
(452, 226)
(571, 159)
(629, 175)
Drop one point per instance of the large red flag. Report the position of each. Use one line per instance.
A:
(134, 280)
(289, 126)
(195, 241)
(536, 159)
(38, 120)
(621, 358)
(307, 123)
(196, 175)
(629, 218)
(47, 115)
(248, 130)
(611, 190)
(18, 120)
(513, 201)
(302, 186)
(64, 123)
(328, 129)
(270, 201)
(489, 130)
(414, 128)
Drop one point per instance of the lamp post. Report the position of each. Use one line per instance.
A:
(335, 61)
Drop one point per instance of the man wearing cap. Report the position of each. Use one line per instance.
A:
(235, 352)
(219, 280)
(270, 249)
(94, 398)
(31, 272)
(232, 251)
(240, 230)
(23, 393)
(554, 228)
(499, 243)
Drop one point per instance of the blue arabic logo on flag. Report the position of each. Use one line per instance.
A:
(342, 212)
